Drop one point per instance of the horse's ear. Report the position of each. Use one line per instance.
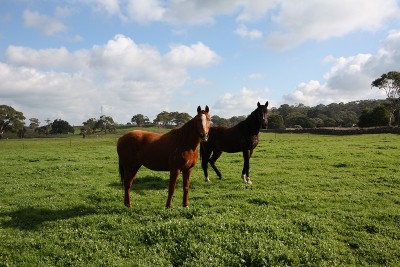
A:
(198, 109)
(207, 109)
(266, 104)
(258, 104)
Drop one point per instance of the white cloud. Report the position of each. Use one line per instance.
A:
(293, 22)
(240, 103)
(197, 54)
(129, 78)
(46, 93)
(298, 21)
(388, 55)
(45, 24)
(52, 58)
(200, 11)
(350, 77)
(111, 7)
(256, 9)
(192, 12)
(145, 10)
(197, 11)
(243, 32)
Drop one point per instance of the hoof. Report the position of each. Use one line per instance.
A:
(186, 207)
(244, 178)
(207, 179)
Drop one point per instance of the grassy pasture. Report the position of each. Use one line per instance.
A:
(315, 201)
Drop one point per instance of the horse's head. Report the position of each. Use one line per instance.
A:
(203, 122)
(262, 114)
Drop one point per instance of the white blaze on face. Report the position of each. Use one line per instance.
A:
(204, 122)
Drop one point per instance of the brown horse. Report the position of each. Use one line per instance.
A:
(175, 151)
(242, 137)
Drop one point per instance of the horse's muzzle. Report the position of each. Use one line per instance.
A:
(204, 137)
(264, 124)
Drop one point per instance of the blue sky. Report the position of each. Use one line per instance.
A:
(71, 59)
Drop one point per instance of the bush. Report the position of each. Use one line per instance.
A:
(275, 121)
(379, 116)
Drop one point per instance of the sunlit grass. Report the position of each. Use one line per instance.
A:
(315, 201)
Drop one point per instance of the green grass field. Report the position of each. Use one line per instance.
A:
(315, 201)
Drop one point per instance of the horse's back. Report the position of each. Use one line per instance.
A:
(136, 138)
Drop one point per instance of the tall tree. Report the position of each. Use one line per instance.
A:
(10, 119)
(61, 127)
(106, 123)
(34, 123)
(182, 118)
(235, 120)
(218, 121)
(88, 127)
(390, 84)
(162, 118)
(140, 119)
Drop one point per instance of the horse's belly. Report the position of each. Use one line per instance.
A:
(231, 148)
(155, 162)
(172, 161)
(156, 166)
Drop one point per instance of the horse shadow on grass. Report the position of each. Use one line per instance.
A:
(145, 183)
(31, 218)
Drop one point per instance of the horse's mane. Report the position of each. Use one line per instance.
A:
(180, 128)
(251, 122)
(181, 131)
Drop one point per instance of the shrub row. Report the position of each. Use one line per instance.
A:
(337, 131)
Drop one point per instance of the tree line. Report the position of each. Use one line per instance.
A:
(363, 113)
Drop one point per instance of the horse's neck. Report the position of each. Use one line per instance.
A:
(252, 124)
(187, 136)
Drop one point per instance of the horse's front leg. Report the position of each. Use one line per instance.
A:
(173, 177)
(186, 183)
(246, 166)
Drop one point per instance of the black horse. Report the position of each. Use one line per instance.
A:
(241, 137)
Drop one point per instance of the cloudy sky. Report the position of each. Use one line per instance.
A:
(74, 59)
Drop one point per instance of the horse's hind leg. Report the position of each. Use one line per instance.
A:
(128, 179)
(213, 159)
(205, 158)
